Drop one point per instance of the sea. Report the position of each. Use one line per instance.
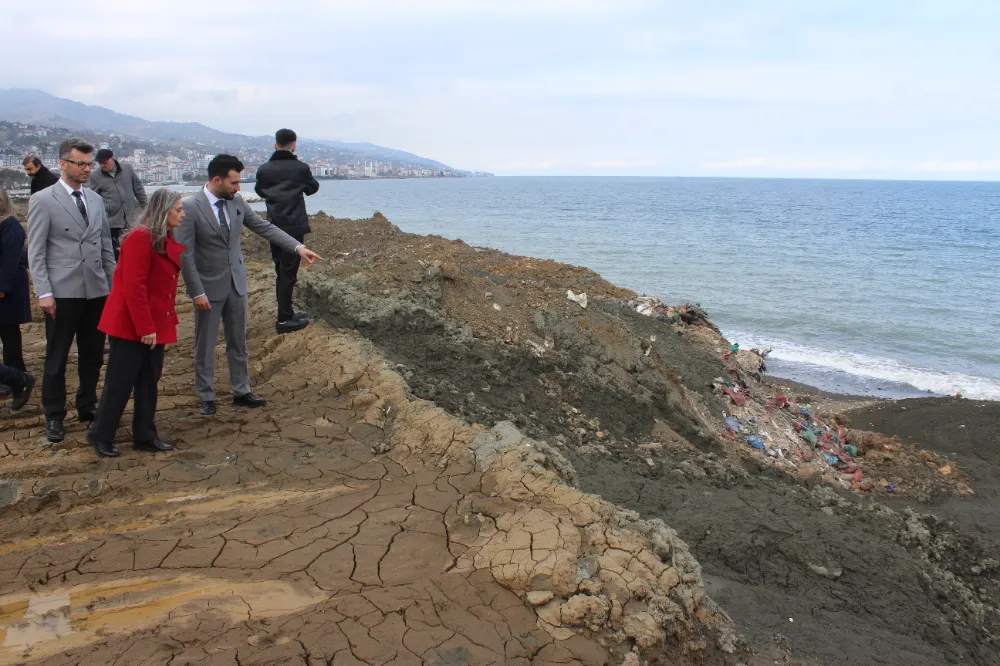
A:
(880, 288)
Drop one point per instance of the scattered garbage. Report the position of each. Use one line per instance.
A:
(580, 299)
(688, 314)
(755, 441)
(733, 423)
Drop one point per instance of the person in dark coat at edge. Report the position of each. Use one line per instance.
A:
(284, 183)
(140, 317)
(41, 177)
(15, 305)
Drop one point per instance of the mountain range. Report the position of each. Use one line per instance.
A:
(37, 107)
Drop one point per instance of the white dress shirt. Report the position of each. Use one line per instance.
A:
(212, 201)
(83, 195)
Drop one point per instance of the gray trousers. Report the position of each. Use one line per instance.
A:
(232, 312)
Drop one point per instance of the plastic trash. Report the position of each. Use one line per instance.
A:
(830, 459)
(891, 488)
(580, 299)
(737, 398)
(781, 402)
(755, 441)
(853, 450)
(733, 423)
(735, 347)
(809, 436)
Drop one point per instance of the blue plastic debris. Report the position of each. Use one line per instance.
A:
(831, 459)
(733, 423)
(755, 441)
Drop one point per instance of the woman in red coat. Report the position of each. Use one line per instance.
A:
(139, 318)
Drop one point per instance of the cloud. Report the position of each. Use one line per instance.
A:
(958, 166)
(541, 165)
(621, 164)
(789, 165)
(845, 87)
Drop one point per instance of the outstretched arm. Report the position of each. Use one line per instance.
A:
(273, 234)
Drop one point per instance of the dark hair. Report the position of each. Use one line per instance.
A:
(67, 146)
(285, 137)
(32, 159)
(221, 165)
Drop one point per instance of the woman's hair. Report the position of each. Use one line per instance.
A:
(6, 207)
(154, 218)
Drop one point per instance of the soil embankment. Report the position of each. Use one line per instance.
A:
(426, 486)
(804, 559)
(345, 523)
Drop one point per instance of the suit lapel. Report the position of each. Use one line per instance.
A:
(63, 197)
(209, 213)
(93, 200)
(235, 220)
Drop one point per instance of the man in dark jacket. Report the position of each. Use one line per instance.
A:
(122, 192)
(41, 177)
(284, 183)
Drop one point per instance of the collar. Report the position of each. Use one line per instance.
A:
(283, 155)
(114, 172)
(174, 250)
(211, 197)
(69, 188)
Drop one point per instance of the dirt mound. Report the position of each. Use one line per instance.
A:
(344, 523)
(778, 502)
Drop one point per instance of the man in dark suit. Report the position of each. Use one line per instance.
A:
(41, 177)
(71, 261)
(284, 183)
(216, 278)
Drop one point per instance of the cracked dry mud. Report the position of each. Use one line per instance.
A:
(344, 523)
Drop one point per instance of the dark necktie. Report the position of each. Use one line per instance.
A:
(79, 204)
(221, 205)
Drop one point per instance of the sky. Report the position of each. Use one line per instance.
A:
(790, 88)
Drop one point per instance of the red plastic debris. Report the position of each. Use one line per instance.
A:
(737, 398)
(781, 402)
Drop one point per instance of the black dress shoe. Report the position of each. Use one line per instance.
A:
(248, 400)
(291, 325)
(54, 431)
(154, 446)
(23, 392)
(301, 316)
(5, 390)
(208, 408)
(103, 449)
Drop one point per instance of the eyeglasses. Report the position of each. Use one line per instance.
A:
(82, 165)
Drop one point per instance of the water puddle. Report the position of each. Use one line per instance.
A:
(73, 617)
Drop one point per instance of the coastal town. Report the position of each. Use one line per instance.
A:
(171, 162)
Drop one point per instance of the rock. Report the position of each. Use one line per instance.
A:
(585, 610)
(539, 597)
(643, 629)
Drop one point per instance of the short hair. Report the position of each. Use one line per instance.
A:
(67, 146)
(222, 164)
(285, 137)
(31, 159)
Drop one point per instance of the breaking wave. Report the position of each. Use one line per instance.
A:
(872, 371)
